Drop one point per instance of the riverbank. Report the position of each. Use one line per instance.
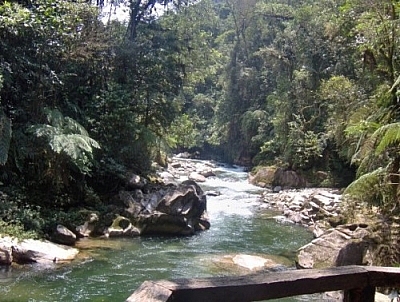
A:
(238, 242)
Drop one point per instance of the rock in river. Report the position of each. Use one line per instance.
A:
(30, 251)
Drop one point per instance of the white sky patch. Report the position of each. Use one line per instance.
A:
(120, 11)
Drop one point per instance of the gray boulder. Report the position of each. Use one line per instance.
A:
(88, 227)
(344, 245)
(63, 235)
(182, 211)
(36, 251)
(197, 177)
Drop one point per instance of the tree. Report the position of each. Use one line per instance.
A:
(376, 32)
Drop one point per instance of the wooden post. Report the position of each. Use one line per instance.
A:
(366, 294)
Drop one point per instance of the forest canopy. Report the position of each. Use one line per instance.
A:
(86, 97)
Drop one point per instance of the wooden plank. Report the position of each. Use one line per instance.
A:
(384, 276)
(270, 285)
(358, 282)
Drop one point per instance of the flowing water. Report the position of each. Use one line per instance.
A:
(110, 270)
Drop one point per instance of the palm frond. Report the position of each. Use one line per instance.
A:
(387, 136)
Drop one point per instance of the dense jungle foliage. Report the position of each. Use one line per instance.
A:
(86, 97)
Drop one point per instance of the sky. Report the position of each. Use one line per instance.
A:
(121, 12)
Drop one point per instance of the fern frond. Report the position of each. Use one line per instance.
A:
(72, 126)
(387, 136)
(46, 131)
(54, 117)
(366, 187)
(73, 144)
(67, 136)
(363, 126)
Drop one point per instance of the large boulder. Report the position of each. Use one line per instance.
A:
(182, 211)
(36, 251)
(263, 177)
(245, 264)
(277, 177)
(288, 179)
(343, 245)
(63, 235)
(197, 177)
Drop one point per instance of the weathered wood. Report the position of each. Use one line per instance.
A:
(383, 276)
(358, 282)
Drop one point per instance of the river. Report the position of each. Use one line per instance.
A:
(110, 270)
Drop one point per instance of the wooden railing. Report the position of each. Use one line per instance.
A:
(357, 282)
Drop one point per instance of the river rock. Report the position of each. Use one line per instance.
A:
(306, 207)
(63, 235)
(37, 251)
(88, 227)
(288, 179)
(245, 263)
(207, 173)
(251, 262)
(197, 177)
(6, 256)
(275, 177)
(344, 245)
(212, 193)
(167, 177)
(263, 177)
(181, 211)
(122, 227)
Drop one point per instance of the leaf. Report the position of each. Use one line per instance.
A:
(387, 136)
(366, 186)
(67, 136)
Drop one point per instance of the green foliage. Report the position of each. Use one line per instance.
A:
(66, 136)
(5, 137)
(371, 188)
(307, 146)
(183, 132)
(16, 231)
(387, 136)
(17, 218)
(306, 84)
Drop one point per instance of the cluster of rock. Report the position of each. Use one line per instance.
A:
(181, 168)
(174, 210)
(334, 243)
(307, 207)
(175, 207)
